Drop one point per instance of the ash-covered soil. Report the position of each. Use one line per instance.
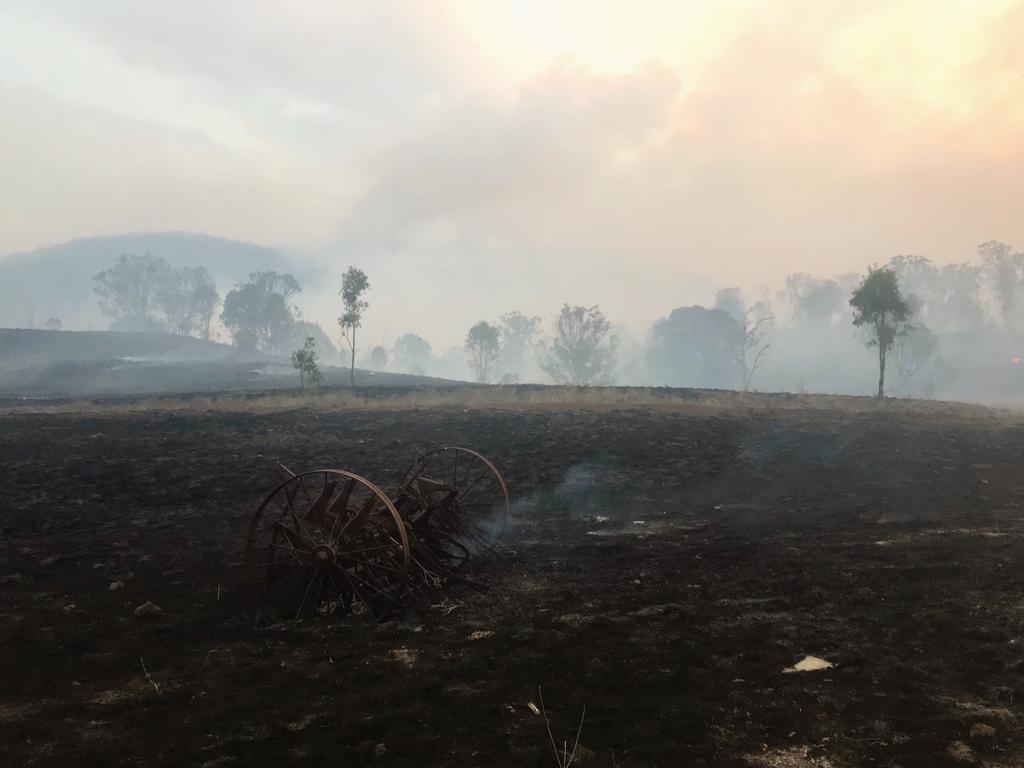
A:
(662, 569)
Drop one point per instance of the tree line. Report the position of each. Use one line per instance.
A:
(900, 310)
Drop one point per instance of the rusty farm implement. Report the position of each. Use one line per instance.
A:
(330, 540)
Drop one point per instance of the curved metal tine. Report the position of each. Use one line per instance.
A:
(357, 521)
(339, 506)
(318, 510)
(368, 603)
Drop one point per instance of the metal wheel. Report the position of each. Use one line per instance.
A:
(462, 504)
(326, 539)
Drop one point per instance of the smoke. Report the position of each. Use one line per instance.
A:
(384, 136)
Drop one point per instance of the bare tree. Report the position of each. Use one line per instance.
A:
(755, 322)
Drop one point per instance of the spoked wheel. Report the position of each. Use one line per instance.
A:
(324, 540)
(462, 504)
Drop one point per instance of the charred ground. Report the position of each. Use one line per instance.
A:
(736, 540)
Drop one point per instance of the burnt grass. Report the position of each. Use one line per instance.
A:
(662, 568)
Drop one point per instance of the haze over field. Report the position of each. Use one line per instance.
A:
(476, 158)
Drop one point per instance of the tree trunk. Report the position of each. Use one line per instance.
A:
(881, 370)
(352, 369)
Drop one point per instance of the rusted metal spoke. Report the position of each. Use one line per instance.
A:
(369, 564)
(483, 489)
(316, 574)
(291, 575)
(361, 580)
(290, 550)
(298, 521)
(293, 538)
(480, 477)
(305, 491)
(382, 547)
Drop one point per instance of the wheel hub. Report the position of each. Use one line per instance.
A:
(323, 554)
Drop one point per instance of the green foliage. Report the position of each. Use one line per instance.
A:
(129, 289)
(145, 293)
(354, 284)
(1006, 271)
(815, 300)
(582, 350)
(303, 328)
(880, 309)
(257, 312)
(520, 336)
(731, 300)
(188, 299)
(379, 358)
(412, 354)
(304, 360)
(696, 347)
(482, 349)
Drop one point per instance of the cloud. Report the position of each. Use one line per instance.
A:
(73, 170)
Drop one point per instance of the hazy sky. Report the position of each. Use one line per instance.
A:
(476, 157)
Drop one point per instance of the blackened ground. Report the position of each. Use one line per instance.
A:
(663, 567)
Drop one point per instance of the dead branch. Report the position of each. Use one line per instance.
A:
(565, 759)
(148, 678)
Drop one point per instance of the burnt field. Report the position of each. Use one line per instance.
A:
(663, 566)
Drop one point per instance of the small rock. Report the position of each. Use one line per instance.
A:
(13, 578)
(115, 585)
(982, 731)
(380, 750)
(69, 608)
(809, 664)
(148, 609)
(961, 753)
(481, 634)
(405, 656)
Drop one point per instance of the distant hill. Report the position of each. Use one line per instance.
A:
(56, 281)
(21, 347)
(47, 364)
